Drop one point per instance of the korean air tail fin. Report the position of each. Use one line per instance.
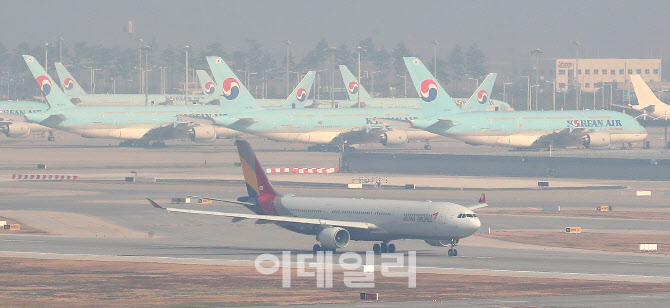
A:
(301, 92)
(259, 187)
(70, 86)
(433, 98)
(645, 97)
(234, 95)
(52, 93)
(479, 100)
(207, 84)
(352, 85)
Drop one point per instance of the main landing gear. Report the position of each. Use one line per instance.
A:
(384, 247)
(318, 248)
(452, 251)
(427, 147)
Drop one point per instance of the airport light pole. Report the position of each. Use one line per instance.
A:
(146, 69)
(60, 49)
(359, 74)
(186, 80)
(288, 44)
(578, 45)
(435, 59)
(505, 91)
(372, 81)
(536, 52)
(553, 85)
(332, 51)
(141, 80)
(46, 57)
(527, 92)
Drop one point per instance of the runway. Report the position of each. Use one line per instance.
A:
(181, 238)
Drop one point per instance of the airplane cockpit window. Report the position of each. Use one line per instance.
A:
(468, 215)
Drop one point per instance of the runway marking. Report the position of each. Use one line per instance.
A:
(426, 269)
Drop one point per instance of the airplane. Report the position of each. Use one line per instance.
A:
(210, 88)
(519, 129)
(354, 89)
(337, 221)
(648, 103)
(77, 95)
(12, 121)
(333, 129)
(136, 125)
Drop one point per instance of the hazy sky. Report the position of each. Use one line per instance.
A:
(505, 30)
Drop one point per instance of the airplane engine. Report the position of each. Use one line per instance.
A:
(17, 130)
(597, 139)
(333, 237)
(202, 133)
(440, 243)
(394, 138)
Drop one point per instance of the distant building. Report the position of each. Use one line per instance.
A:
(592, 73)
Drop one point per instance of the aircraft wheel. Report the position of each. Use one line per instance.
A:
(384, 248)
(391, 248)
(376, 248)
(316, 248)
(455, 253)
(427, 147)
(450, 252)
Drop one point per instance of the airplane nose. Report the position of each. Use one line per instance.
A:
(476, 224)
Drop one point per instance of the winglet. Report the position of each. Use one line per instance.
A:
(156, 205)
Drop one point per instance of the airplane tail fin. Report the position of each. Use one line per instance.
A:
(207, 84)
(433, 98)
(352, 85)
(301, 92)
(479, 100)
(645, 97)
(257, 181)
(234, 95)
(52, 93)
(70, 86)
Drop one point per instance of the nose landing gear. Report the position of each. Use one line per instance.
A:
(452, 251)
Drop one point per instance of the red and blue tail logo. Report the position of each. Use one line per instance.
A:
(301, 95)
(210, 87)
(482, 96)
(353, 87)
(231, 88)
(44, 83)
(68, 84)
(428, 90)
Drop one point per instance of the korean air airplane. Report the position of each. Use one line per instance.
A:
(12, 121)
(77, 95)
(210, 88)
(520, 129)
(354, 89)
(136, 125)
(337, 221)
(326, 129)
(647, 101)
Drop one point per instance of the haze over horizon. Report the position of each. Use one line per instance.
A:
(505, 30)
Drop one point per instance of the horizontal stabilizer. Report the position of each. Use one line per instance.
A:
(441, 124)
(54, 120)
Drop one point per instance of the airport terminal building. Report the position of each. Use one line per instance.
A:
(593, 74)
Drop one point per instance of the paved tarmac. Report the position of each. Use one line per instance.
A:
(181, 238)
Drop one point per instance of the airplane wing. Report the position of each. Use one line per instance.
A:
(441, 124)
(363, 134)
(477, 206)
(170, 130)
(298, 220)
(225, 200)
(54, 120)
(563, 137)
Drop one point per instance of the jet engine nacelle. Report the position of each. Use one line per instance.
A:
(333, 237)
(17, 130)
(597, 139)
(202, 133)
(440, 243)
(394, 138)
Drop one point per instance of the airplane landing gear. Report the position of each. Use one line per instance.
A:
(452, 251)
(427, 147)
(384, 247)
(316, 248)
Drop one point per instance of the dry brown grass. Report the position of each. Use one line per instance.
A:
(68, 283)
